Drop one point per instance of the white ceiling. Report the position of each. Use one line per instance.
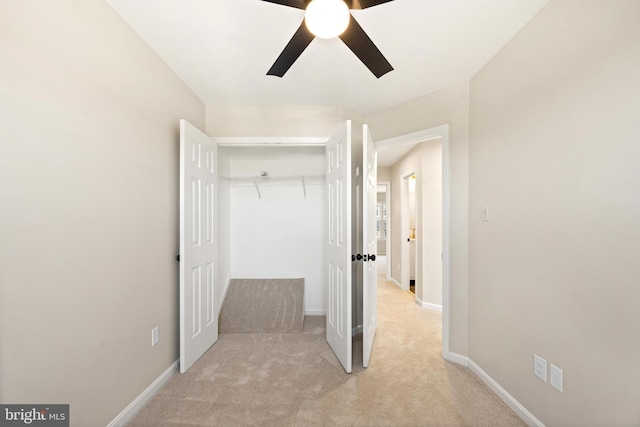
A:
(222, 49)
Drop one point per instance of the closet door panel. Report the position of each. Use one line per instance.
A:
(198, 244)
(339, 320)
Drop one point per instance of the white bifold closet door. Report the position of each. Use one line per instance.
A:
(339, 320)
(198, 244)
(339, 247)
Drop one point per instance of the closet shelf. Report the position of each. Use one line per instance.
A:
(261, 180)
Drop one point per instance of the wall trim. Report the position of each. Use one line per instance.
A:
(315, 312)
(456, 358)
(413, 138)
(428, 305)
(127, 414)
(509, 400)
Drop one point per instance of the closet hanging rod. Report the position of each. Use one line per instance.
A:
(259, 180)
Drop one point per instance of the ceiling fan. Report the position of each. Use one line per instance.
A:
(353, 36)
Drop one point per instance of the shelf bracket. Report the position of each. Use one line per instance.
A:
(255, 181)
(304, 187)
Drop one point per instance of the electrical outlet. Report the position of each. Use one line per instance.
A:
(540, 367)
(154, 336)
(555, 377)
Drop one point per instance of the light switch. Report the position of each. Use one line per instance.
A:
(485, 213)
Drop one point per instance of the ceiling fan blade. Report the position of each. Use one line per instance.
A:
(363, 4)
(298, 4)
(292, 51)
(360, 44)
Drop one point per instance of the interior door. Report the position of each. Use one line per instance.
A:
(339, 321)
(370, 245)
(198, 240)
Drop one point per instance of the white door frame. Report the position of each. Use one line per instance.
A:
(415, 138)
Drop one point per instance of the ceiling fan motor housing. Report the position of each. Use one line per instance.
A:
(353, 36)
(327, 18)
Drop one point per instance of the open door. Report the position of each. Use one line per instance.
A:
(370, 245)
(339, 245)
(198, 240)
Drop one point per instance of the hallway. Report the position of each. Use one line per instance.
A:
(295, 380)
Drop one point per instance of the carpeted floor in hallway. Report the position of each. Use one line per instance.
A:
(295, 380)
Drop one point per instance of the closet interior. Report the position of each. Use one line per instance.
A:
(273, 200)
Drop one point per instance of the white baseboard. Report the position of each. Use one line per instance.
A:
(127, 414)
(511, 402)
(429, 306)
(456, 358)
(315, 312)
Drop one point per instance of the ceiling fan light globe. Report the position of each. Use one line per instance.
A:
(327, 18)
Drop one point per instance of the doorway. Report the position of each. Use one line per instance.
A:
(409, 142)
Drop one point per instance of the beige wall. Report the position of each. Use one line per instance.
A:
(384, 173)
(284, 120)
(449, 106)
(555, 144)
(430, 190)
(88, 225)
(89, 192)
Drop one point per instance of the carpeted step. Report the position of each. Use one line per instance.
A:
(263, 306)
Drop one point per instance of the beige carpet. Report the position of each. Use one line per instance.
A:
(295, 380)
(263, 305)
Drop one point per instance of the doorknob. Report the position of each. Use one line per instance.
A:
(178, 258)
